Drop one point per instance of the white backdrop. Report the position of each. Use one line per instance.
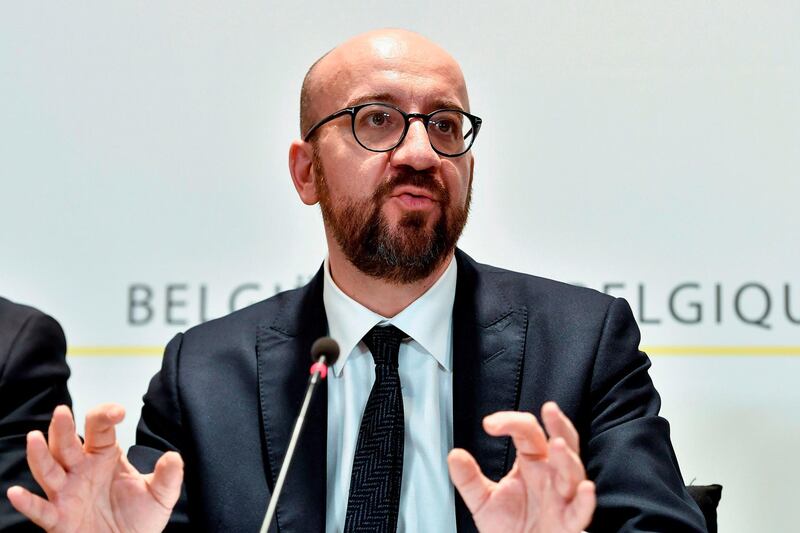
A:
(644, 148)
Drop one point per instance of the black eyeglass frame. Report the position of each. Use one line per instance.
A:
(425, 117)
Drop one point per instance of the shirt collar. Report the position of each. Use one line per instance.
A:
(428, 320)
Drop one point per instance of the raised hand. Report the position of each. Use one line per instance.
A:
(91, 487)
(546, 490)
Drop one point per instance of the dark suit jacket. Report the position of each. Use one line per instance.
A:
(229, 390)
(33, 381)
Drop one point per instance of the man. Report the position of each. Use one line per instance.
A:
(33, 381)
(435, 349)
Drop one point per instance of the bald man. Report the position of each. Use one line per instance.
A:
(444, 362)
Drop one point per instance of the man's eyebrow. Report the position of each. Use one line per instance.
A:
(446, 104)
(442, 103)
(373, 97)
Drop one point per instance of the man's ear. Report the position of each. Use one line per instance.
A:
(302, 170)
(471, 168)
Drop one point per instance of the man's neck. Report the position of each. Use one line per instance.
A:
(379, 296)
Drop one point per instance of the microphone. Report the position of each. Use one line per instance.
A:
(324, 352)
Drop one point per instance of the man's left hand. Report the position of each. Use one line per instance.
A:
(546, 490)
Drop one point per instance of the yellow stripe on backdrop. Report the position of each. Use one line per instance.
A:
(115, 351)
(726, 351)
(662, 350)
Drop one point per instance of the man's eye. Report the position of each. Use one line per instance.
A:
(378, 119)
(444, 126)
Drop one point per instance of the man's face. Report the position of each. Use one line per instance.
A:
(395, 215)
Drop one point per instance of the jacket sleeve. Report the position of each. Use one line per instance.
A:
(161, 429)
(628, 453)
(33, 381)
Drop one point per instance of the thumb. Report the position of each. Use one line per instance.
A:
(165, 481)
(467, 477)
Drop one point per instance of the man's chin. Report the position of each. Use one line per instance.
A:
(416, 219)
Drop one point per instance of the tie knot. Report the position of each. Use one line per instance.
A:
(384, 343)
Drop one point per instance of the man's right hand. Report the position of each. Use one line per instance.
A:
(91, 487)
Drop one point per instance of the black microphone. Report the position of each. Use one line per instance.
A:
(324, 353)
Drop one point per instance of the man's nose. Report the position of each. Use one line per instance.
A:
(416, 151)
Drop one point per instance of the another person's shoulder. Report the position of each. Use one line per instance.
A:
(13, 311)
(15, 316)
(23, 328)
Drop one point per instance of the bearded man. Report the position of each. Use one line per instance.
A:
(444, 361)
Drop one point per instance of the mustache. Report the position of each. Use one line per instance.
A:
(423, 180)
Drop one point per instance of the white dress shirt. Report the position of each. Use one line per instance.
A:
(426, 377)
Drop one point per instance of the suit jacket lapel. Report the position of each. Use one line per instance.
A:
(488, 349)
(283, 351)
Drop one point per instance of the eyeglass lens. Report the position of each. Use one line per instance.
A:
(380, 127)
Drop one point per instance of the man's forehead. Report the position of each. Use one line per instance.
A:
(430, 89)
(434, 100)
(399, 66)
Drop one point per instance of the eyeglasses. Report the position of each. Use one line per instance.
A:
(382, 127)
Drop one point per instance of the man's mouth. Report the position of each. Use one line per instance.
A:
(413, 201)
(410, 193)
(412, 197)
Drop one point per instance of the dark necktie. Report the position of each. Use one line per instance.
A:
(374, 499)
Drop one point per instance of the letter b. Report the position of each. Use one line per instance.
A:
(140, 312)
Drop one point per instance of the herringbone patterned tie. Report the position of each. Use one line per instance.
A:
(374, 498)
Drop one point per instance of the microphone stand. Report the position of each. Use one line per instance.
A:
(319, 371)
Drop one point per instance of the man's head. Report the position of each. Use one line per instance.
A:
(396, 214)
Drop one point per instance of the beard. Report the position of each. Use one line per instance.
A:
(409, 252)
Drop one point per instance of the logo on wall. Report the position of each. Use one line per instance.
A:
(689, 303)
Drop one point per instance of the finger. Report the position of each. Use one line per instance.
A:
(578, 514)
(165, 481)
(62, 439)
(45, 469)
(467, 477)
(567, 467)
(524, 429)
(37, 509)
(100, 422)
(558, 425)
